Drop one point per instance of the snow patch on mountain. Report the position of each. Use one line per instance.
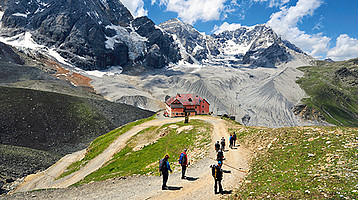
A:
(24, 42)
(135, 42)
(232, 48)
(112, 71)
(20, 15)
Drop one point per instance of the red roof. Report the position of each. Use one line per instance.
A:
(186, 99)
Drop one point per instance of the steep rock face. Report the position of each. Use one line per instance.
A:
(161, 47)
(258, 46)
(195, 46)
(91, 34)
(8, 55)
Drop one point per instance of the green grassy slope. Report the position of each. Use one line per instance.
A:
(333, 88)
(301, 163)
(144, 159)
(100, 144)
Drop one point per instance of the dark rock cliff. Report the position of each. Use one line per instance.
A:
(91, 34)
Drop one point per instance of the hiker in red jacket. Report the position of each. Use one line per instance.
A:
(183, 161)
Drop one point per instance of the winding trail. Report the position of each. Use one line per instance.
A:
(198, 186)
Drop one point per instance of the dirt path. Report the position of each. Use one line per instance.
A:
(46, 179)
(198, 186)
(203, 187)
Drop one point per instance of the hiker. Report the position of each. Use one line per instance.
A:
(164, 169)
(234, 138)
(231, 141)
(220, 155)
(183, 161)
(217, 146)
(217, 173)
(222, 143)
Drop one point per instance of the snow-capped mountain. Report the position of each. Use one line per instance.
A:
(90, 34)
(258, 46)
(249, 72)
(99, 34)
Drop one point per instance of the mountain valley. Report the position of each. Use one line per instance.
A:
(72, 73)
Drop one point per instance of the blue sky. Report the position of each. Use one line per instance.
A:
(322, 28)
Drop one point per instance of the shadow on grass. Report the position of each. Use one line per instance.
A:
(226, 192)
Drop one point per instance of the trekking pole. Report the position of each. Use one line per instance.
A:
(231, 166)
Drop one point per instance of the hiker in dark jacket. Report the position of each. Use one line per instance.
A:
(220, 155)
(183, 161)
(234, 138)
(217, 173)
(164, 168)
(217, 146)
(222, 143)
(231, 141)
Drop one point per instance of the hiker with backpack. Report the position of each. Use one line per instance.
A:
(217, 173)
(217, 146)
(222, 143)
(164, 169)
(183, 161)
(231, 141)
(220, 156)
(234, 138)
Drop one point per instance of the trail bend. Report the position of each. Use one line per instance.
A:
(198, 186)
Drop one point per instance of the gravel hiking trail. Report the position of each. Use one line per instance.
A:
(198, 185)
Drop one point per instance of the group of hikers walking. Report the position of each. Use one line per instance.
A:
(217, 171)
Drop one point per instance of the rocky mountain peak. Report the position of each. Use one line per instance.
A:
(90, 34)
(98, 34)
(257, 46)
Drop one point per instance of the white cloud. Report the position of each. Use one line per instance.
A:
(274, 3)
(225, 27)
(136, 7)
(193, 10)
(285, 23)
(346, 48)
